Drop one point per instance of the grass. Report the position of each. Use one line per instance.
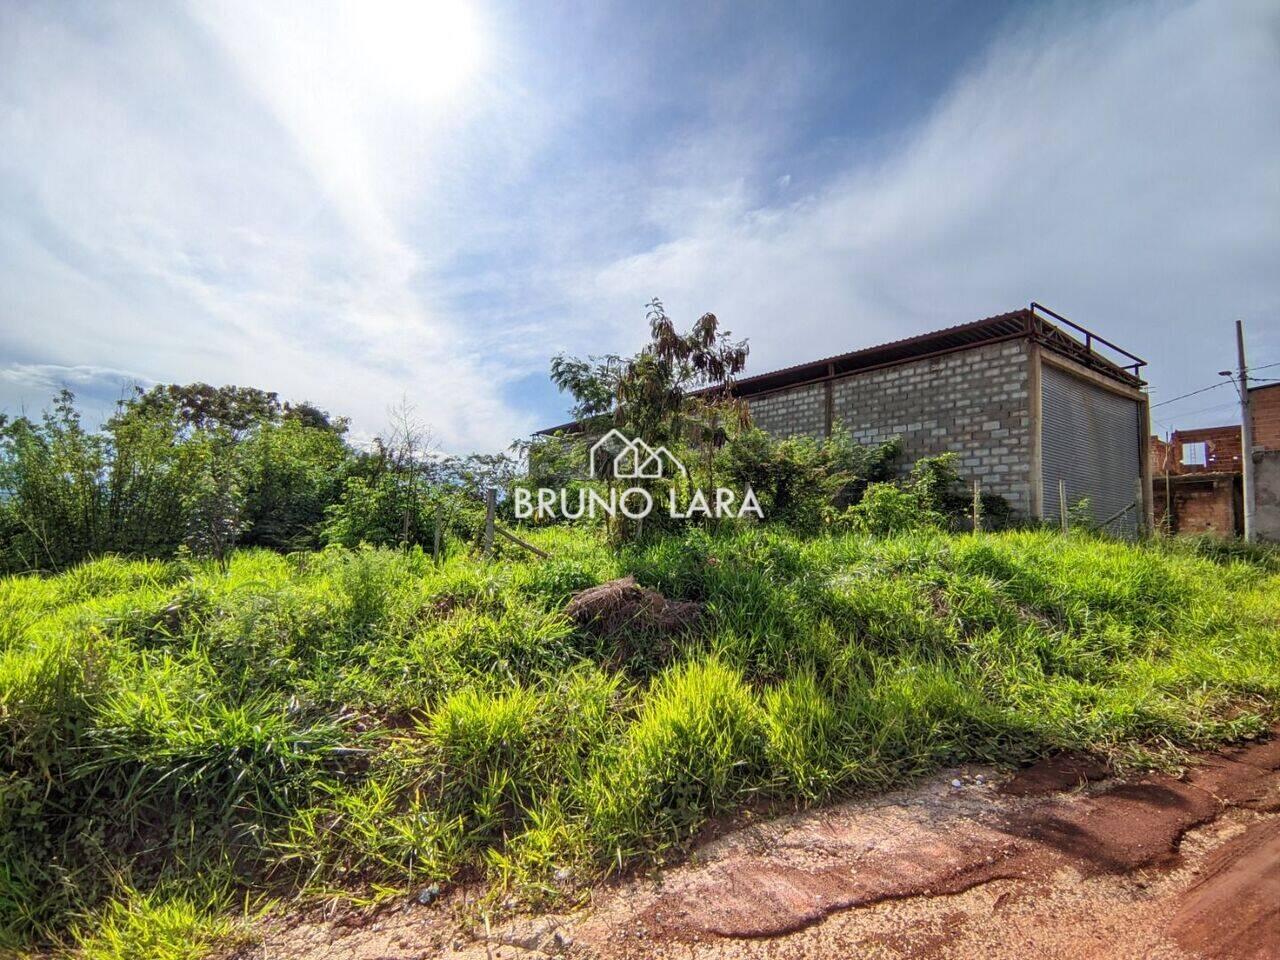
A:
(175, 738)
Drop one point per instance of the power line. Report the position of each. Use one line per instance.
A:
(1221, 383)
(1193, 413)
(1212, 386)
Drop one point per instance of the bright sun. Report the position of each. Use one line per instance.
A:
(423, 51)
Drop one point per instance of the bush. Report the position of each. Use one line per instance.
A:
(919, 503)
(388, 509)
(887, 508)
(799, 480)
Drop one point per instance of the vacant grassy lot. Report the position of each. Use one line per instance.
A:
(176, 738)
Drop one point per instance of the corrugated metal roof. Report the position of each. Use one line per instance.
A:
(1024, 323)
(1000, 327)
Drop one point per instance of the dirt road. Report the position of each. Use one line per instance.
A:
(1059, 860)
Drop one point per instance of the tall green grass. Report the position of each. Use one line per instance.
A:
(350, 722)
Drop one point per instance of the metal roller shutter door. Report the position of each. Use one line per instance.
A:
(1089, 439)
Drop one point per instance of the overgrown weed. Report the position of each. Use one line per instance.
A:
(365, 720)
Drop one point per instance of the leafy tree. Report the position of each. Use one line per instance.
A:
(50, 472)
(675, 389)
(309, 415)
(291, 471)
(201, 406)
(214, 499)
(654, 393)
(592, 382)
(197, 466)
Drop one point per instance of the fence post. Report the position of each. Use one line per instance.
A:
(1062, 505)
(1140, 510)
(977, 506)
(435, 541)
(490, 496)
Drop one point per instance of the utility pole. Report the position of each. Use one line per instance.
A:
(1246, 433)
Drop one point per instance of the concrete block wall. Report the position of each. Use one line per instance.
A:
(974, 402)
(800, 411)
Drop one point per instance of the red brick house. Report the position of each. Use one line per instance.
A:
(1199, 472)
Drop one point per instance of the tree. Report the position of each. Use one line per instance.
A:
(676, 389)
(52, 475)
(214, 498)
(652, 393)
(291, 471)
(200, 406)
(195, 465)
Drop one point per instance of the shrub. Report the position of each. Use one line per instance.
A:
(886, 509)
(799, 480)
(918, 503)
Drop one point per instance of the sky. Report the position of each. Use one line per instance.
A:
(372, 204)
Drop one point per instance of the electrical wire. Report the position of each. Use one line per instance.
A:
(1212, 386)
(1222, 383)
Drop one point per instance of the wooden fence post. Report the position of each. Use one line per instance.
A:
(977, 506)
(1140, 510)
(490, 499)
(1062, 505)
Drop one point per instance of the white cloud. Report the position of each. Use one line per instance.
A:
(51, 377)
(221, 198)
(352, 204)
(1121, 169)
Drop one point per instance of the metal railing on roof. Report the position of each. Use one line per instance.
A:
(1090, 338)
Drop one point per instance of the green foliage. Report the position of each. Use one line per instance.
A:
(207, 469)
(290, 472)
(800, 480)
(887, 508)
(918, 504)
(153, 926)
(676, 392)
(388, 510)
(196, 466)
(361, 720)
(1080, 515)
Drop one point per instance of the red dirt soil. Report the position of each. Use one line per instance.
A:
(1158, 867)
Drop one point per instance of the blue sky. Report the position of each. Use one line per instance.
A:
(364, 204)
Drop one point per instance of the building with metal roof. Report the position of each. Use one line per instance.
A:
(1038, 409)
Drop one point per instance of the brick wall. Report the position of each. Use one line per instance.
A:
(1222, 451)
(1266, 416)
(973, 402)
(1222, 444)
(1201, 506)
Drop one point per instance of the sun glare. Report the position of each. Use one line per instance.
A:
(423, 51)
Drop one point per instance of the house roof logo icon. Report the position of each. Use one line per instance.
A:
(616, 455)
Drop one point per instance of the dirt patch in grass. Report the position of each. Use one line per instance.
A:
(624, 607)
